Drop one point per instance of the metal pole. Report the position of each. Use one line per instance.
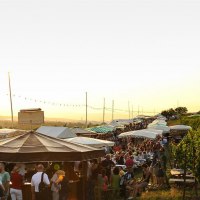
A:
(113, 110)
(86, 111)
(104, 102)
(11, 105)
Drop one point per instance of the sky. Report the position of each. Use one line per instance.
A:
(142, 52)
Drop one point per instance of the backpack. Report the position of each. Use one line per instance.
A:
(43, 187)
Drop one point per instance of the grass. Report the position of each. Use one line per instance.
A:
(172, 194)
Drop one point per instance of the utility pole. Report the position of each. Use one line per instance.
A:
(86, 111)
(129, 111)
(177, 103)
(104, 104)
(138, 110)
(132, 111)
(113, 103)
(11, 105)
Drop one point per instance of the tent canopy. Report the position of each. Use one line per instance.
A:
(57, 132)
(35, 147)
(163, 128)
(81, 131)
(90, 142)
(180, 127)
(102, 129)
(143, 133)
(4, 133)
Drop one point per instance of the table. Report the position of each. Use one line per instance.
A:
(176, 172)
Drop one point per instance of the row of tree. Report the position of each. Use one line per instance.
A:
(174, 112)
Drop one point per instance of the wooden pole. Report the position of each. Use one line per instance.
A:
(86, 111)
(113, 109)
(11, 105)
(104, 104)
(185, 170)
(132, 112)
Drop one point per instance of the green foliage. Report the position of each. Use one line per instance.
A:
(193, 122)
(181, 110)
(168, 113)
(172, 112)
(188, 152)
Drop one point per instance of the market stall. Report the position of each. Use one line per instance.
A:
(91, 142)
(34, 147)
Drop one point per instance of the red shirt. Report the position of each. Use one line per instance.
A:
(17, 181)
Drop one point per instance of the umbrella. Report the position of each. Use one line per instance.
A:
(90, 142)
(35, 147)
(144, 133)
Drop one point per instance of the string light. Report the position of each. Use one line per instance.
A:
(72, 105)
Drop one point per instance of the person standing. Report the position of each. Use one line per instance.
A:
(107, 164)
(5, 179)
(17, 182)
(35, 182)
(56, 184)
(115, 183)
(64, 187)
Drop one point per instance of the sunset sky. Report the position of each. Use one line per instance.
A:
(144, 52)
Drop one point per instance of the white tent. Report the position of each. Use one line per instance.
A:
(180, 127)
(144, 133)
(81, 131)
(57, 132)
(163, 128)
(159, 122)
(90, 142)
(5, 132)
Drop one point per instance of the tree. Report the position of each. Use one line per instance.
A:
(181, 110)
(168, 113)
(187, 153)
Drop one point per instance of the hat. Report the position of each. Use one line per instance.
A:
(60, 173)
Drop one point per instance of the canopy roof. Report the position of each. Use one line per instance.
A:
(159, 122)
(143, 133)
(163, 128)
(123, 122)
(4, 133)
(57, 132)
(81, 131)
(35, 147)
(180, 127)
(102, 129)
(90, 142)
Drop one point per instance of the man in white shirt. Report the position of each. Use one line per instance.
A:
(35, 181)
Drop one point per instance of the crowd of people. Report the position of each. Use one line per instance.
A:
(115, 175)
(42, 187)
(128, 168)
